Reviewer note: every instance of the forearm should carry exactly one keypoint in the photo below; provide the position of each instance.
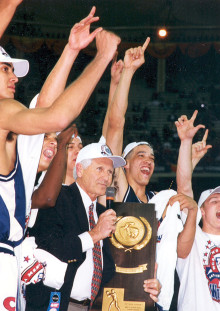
(77, 94)
(7, 11)
(56, 81)
(64, 110)
(186, 237)
(195, 161)
(112, 89)
(117, 112)
(46, 195)
(119, 104)
(184, 168)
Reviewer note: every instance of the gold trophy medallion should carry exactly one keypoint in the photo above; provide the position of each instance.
(131, 233)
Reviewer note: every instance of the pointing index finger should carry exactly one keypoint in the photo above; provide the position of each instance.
(205, 135)
(90, 16)
(145, 45)
(194, 115)
(92, 12)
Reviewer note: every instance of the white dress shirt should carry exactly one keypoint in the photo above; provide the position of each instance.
(82, 282)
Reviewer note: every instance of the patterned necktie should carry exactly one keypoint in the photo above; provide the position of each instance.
(97, 260)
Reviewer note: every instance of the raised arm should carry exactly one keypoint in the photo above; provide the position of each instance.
(79, 38)
(116, 70)
(187, 161)
(69, 104)
(186, 131)
(133, 59)
(46, 195)
(7, 10)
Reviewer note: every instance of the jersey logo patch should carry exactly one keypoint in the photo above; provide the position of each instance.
(211, 263)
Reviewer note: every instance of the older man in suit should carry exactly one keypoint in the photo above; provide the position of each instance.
(75, 231)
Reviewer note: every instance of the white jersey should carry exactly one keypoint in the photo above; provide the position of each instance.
(166, 248)
(29, 150)
(12, 206)
(12, 222)
(199, 275)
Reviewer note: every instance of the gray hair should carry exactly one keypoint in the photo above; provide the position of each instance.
(85, 163)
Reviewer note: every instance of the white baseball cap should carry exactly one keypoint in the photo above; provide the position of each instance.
(133, 145)
(205, 194)
(21, 66)
(96, 151)
(76, 136)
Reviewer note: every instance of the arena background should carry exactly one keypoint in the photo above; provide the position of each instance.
(181, 72)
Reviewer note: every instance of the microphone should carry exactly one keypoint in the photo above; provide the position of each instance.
(110, 194)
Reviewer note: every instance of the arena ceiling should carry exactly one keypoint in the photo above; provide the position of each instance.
(126, 13)
(185, 17)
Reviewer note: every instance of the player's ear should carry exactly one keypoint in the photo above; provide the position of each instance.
(202, 210)
(127, 164)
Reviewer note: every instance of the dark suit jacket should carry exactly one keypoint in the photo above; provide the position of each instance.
(56, 230)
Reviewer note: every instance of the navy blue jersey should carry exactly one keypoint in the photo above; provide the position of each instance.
(130, 195)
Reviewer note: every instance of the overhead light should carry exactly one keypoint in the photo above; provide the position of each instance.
(162, 32)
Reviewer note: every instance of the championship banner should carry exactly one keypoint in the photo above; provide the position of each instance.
(133, 248)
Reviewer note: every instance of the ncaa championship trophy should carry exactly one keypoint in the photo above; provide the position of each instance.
(133, 249)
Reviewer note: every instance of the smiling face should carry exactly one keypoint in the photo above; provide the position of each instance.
(7, 80)
(48, 152)
(211, 214)
(140, 165)
(96, 177)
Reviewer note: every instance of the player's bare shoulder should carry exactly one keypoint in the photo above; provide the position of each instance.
(8, 110)
(8, 104)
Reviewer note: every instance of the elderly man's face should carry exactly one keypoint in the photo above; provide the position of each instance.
(96, 178)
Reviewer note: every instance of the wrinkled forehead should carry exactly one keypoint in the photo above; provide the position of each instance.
(106, 162)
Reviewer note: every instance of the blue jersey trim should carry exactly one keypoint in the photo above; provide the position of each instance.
(10, 176)
(20, 204)
(130, 195)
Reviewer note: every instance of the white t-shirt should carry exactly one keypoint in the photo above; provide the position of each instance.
(199, 275)
(166, 248)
